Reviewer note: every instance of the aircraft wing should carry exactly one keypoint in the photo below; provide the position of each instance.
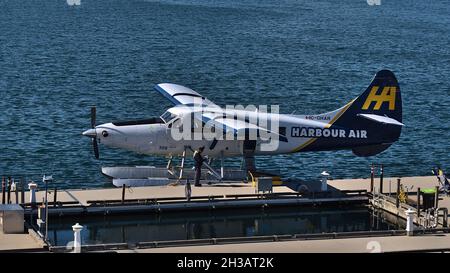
(237, 127)
(181, 95)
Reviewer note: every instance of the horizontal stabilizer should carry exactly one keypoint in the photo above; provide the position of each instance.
(381, 119)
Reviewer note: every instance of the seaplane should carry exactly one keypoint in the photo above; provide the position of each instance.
(367, 126)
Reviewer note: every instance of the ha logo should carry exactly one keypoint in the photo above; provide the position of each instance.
(387, 95)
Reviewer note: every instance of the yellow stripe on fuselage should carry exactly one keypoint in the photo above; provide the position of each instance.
(338, 115)
(328, 125)
(309, 141)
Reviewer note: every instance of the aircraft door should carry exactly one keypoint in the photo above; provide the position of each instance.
(249, 146)
(249, 155)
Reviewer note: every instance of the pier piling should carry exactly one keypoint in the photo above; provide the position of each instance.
(8, 190)
(22, 189)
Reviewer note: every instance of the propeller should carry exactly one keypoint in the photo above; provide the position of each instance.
(92, 133)
(95, 146)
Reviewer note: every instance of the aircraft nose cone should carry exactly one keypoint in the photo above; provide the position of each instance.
(90, 133)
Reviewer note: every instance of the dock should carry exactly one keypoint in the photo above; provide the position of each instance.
(172, 198)
(158, 199)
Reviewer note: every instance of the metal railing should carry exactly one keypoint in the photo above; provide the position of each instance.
(209, 198)
(231, 240)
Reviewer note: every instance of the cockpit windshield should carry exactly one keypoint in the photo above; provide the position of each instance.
(167, 117)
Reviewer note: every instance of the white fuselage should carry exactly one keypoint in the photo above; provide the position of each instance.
(157, 138)
(367, 125)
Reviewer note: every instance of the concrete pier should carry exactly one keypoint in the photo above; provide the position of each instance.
(20, 243)
(426, 243)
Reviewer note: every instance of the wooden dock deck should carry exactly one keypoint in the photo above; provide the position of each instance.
(82, 196)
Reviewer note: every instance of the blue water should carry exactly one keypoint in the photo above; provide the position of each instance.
(307, 56)
(218, 224)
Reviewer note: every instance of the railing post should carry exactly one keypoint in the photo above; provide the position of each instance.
(3, 190)
(22, 189)
(188, 190)
(436, 198)
(123, 193)
(32, 186)
(183, 159)
(418, 202)
(222, 169)
(371, 177)
(397, 201)
(16, 192)
(8, 190)
(324, 185)
(381, 179)
(444, 221)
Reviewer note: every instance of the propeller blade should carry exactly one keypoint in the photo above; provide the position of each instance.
(95, 146)
(93, 116)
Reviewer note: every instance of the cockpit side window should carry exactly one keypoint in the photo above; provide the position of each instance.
(172, 122)
(167, 117)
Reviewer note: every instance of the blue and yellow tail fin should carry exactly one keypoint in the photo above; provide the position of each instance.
(382, 97)
(375, 116)
(378, 110)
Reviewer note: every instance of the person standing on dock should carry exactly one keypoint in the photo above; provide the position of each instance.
(198, 159)
(443, 179)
